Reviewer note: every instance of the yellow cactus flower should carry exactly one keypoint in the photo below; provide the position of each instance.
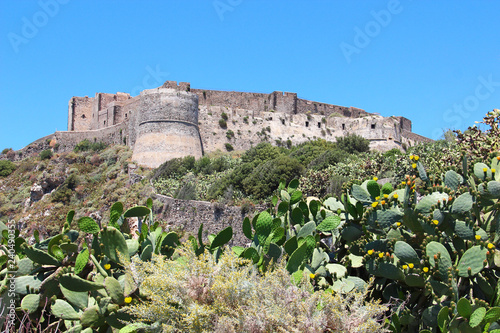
(395, 196)
(491, 246)
(416, 157)
(107, 266)
(380, 255)
(377, 198)
(411, 157)
(493, 170)
(375, 178)
(370, 252)
(436, 222)
(386, 196)
(425, 269)
(477, 237)
(312, 276)
(398, 223)
(485, 169)
(128, 299)
(405, 266)
(374, 204)
(414, 165)
(410, 265)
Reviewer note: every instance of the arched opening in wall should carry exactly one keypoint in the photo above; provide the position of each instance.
(307, 124)
(105, 123)
(373, 126)
(319, 125)
(283, 121)
(83, 116)
(125, 115)
(343, 126)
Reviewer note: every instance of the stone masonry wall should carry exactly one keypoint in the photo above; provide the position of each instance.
(188, 215)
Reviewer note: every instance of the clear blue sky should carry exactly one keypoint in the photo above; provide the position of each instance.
(434, 62)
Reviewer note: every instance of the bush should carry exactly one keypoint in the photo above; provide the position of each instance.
(6, 168)
(202, 294)
(327, 158)
(46, 154)
(229, 147)
(175, 167)
(86, 145)
(222, 123)
(261, 153)
(264, 179)
(353, 144)
(229, 134)
(186, 192)
(6, 150)
(224, 116)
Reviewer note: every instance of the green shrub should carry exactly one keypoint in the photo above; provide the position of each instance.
(229, 134)
(6, 150)
(6, 168)
(262, 152)
(353, 143)
(265, 178)
(229, 147)
(186, 192)
(222, 123)
(175, 167)
(86, 145)
(224, 116)
(327, 158)
(46, 154)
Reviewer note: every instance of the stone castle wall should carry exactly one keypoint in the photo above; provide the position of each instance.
(167, 127)
(175, 120)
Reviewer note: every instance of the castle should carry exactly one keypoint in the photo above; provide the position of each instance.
(175, 121)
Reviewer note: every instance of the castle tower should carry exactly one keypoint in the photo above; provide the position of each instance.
(167, 126)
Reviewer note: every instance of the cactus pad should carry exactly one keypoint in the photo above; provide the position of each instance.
(30, 303)
(88, 225)
(263, 226)
(40, 257)
(453, 180)
(76, 283)
(373, 188)
(360, 194)
(329, 223)
(479, 171)
(405, 252)
(462, 204)
(114, 290)
(115, 246)
(80, 299)
(443, 261)
(472, 258)
(81, 261)
(64, 310)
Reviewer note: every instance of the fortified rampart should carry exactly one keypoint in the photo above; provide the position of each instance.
(175, 120)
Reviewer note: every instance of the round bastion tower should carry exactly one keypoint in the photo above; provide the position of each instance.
(168, 126)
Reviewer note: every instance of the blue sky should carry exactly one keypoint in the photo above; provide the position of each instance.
(434, 62)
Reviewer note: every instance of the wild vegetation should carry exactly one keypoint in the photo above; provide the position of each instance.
(415, 254)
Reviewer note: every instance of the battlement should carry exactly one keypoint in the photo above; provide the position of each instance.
(182, 86)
